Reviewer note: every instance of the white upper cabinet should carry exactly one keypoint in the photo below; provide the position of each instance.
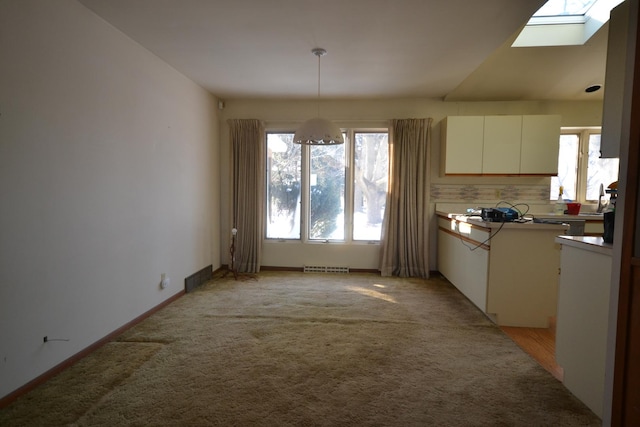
(462, 151)
(614, 84)
(501, 151)
(500, 145)
(540, 144)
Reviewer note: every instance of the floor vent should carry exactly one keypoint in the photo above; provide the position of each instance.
(324, 269)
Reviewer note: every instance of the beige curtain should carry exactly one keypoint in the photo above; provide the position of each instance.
(248, 176)
(405, 233)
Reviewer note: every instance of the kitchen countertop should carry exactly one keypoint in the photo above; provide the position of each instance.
(582, 216)
(588, 243)
(528, 225)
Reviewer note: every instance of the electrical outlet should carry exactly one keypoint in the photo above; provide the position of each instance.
(498, 193)
(164, 281)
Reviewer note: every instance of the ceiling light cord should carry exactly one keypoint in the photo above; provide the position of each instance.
(318, 99)
(318, 131)
(319, 52)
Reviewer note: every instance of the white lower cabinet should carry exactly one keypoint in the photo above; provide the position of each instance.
(583, 316)
(512, 276)
(467, 269)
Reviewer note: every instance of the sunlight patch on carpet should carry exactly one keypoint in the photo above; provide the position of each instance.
(372, 293)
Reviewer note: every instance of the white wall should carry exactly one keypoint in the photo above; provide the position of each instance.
(286, 115)
(108, 178)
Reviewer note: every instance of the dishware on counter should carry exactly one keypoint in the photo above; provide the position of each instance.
(560, 205)
(573, 208)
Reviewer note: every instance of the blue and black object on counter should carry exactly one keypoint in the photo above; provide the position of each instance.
(499, 214)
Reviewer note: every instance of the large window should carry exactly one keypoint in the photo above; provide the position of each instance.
(580, 168)
(327, 193)
(284, 186)
(370, 180)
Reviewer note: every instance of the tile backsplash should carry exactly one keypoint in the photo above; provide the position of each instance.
(473, 193)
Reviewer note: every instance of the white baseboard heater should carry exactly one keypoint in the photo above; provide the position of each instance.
(325, 269)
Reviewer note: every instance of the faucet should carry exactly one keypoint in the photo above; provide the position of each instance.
(600, 205)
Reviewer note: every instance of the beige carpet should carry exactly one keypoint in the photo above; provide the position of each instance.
(294, 349)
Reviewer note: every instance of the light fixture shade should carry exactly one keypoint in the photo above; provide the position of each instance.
(318, 131)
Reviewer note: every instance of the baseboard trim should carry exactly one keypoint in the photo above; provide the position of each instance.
(6, 400)
(364, 270)
(276, 268)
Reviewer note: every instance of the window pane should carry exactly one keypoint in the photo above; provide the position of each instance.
(599, 171)
(326, 192)
(370, 184)
(564, 7)
(567, 167)
(283, 187)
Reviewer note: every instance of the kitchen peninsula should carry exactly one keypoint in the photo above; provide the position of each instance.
(508, 270)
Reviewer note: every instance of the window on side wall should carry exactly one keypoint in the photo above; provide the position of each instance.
(327, 193)
(580, 168)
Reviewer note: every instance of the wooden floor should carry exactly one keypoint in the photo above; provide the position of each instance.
(539, 343)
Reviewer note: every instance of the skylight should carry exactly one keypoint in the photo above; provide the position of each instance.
(565, 22)
(565, 8)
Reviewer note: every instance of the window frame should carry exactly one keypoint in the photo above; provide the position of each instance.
(305, 210)
(584, 134)
(349, 188)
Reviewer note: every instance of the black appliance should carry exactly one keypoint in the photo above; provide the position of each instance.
(609, 222)
(499, 214)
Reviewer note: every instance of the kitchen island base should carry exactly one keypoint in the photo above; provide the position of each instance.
(508, 270)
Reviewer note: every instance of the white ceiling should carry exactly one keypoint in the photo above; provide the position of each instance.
(451, 49)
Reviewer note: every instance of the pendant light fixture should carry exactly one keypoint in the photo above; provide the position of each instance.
(318, 131)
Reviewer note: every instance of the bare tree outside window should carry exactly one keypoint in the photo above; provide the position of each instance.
(371, 180)
(326, 192)
(283, 187)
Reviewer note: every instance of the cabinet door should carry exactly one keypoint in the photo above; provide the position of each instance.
(582, 322)
(467, 270)
(462, 137)
(501, 150)
(540, 145)
(614, 83)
